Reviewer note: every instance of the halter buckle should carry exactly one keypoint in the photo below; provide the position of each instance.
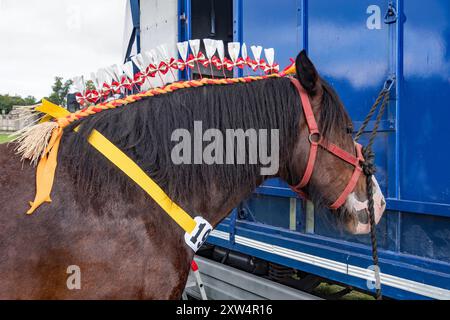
(315, 138)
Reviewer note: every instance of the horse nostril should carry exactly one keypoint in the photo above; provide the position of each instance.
(383, 203)
(362, 215)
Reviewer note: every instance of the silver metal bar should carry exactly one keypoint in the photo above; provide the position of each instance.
(223, 282)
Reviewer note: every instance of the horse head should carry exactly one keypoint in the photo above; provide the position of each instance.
(334, 181)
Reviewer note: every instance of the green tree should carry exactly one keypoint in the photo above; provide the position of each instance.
(7, 102)
(90, 85)
(60, 89)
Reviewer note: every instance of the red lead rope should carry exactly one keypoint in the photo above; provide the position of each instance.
(316, 140)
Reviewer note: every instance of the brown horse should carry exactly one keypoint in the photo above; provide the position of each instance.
(124, 244)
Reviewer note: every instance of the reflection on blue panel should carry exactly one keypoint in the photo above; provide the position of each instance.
(425, 111)
(327, 224)
(352, 57)
(351, 51)
(267, 210)
(272, 28)
(426, 236)
(381, 163)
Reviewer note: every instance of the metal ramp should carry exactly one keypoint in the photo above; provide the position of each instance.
(222, 282)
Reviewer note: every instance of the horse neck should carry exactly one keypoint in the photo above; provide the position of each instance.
(215, 206)
(217, 202)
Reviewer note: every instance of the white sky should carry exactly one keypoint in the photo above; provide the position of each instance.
(40, 39)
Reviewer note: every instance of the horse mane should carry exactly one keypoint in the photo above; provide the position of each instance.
(143, 131)
(334, 119)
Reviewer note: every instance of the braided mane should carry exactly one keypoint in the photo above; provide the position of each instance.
(85, 112)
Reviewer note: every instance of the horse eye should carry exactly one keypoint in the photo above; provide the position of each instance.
(349, 129)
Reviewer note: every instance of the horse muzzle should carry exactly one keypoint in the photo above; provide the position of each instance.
(360, 210)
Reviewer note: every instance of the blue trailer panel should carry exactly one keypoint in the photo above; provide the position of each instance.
(357, 45)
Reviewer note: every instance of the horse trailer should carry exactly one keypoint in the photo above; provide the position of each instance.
(357, 46)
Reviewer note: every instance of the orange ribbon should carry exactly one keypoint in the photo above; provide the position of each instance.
(45, 171)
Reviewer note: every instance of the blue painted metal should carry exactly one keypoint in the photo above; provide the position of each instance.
(278, 30)
(237, 28)
(411, 149)
(400, 78)
(136, 33)
(184, 28)
(302, 28)
(233, 218)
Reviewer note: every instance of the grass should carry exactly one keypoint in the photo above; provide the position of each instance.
(326, 289)
(4, 137)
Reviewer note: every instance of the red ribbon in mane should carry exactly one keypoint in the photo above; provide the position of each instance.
(190, 62)
(115, 87)
(219, 64)
(252, 63)
(126, 83)
(106, 90)
(173, 64)
(181, 64)
(139, 79)
(275, 67)
(81, 99)
(150, 71)
(92, 96)
(163, 67)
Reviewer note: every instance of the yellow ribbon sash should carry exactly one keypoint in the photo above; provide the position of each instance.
(45, 171)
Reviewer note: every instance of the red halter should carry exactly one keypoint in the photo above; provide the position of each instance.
(316, 140)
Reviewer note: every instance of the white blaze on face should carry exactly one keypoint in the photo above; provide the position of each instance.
(355, 206)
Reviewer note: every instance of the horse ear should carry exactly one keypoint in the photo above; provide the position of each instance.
(307, 73)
